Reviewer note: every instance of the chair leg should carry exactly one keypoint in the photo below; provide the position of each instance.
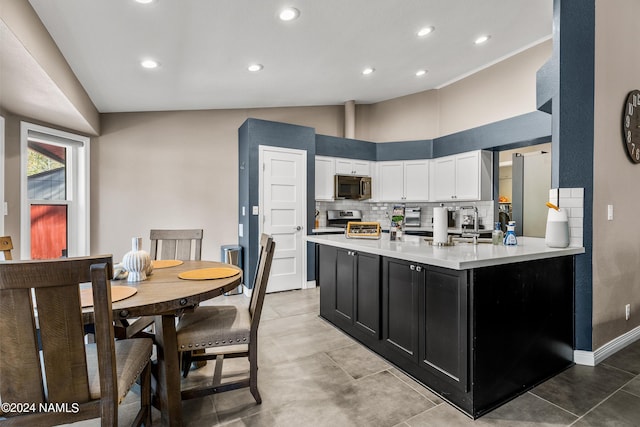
(185, 358)
(253, 372)
(145, 394)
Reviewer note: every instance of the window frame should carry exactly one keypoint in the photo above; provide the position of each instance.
(78, 187)
(2, 173)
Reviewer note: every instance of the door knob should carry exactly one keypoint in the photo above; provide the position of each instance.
(298, 228)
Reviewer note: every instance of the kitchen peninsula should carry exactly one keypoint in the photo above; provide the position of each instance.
(477, 324)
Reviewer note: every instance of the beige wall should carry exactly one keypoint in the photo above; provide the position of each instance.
(176, 170)
(30, 61)
(504, 90)
(408, 118)
(616, 244)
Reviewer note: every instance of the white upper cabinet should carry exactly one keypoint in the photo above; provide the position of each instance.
(416, 180)
(389, 181)
(465, 176)
(403, 181)
(325, 171)
(353, 167)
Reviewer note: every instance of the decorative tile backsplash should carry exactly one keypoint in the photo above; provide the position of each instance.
(381, 211)
(572, 200)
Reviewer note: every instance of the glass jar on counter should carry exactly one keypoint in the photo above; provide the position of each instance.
(497, 237)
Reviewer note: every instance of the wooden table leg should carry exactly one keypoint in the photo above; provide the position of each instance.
(168, 371)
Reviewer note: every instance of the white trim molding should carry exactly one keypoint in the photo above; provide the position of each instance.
(78, 182)
(592, 358)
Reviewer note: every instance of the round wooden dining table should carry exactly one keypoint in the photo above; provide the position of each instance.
(166, 296)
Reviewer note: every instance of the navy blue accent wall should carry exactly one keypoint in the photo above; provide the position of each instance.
(342, 147)
(519, 131)
(246, 221)
(573, 137)
(251, 135)
(405, 150)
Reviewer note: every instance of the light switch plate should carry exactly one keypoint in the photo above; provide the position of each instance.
(610, 212)
(255, 210)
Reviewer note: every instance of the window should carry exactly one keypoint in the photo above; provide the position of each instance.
(54, 193)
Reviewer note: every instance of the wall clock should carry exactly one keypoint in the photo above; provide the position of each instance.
(631, 125)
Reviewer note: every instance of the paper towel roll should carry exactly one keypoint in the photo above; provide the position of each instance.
(440, 225)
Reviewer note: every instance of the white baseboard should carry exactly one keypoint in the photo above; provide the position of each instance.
(592, 358)
(310, 284)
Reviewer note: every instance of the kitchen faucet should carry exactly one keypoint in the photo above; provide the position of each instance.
(476, 228)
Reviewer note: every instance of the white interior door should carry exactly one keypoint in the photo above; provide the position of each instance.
(283, 195)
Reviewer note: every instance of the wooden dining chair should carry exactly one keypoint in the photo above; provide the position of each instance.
(176, 244)
(6, 246)
(227, 331)
(54, 375)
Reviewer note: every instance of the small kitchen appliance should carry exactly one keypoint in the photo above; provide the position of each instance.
(352, 187)
(340, 218)
(412, 217)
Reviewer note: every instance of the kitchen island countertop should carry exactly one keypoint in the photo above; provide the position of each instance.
(461, 256)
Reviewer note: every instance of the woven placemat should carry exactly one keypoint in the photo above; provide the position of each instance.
(209, 273)
(166, 263)
(118, 293)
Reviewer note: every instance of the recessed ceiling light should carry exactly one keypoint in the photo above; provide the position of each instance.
(420, 73)
(255, 67)
(289, 14)
(424, 31)
(144, 1)
(149, 63)
(482, 39)
(368, 71)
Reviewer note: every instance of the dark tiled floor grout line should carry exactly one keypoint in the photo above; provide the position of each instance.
(531, 392)
(414, 388)
(618, 369)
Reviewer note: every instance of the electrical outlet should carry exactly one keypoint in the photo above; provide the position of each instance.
(627, 311)
(610, 212)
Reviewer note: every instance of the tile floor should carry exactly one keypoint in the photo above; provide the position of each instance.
(311, 374)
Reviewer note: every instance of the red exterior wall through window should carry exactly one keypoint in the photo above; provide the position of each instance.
(48, 231)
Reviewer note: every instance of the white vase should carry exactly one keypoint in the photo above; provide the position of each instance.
(137, 262)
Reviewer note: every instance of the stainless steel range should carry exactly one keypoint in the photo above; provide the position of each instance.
(336, 218)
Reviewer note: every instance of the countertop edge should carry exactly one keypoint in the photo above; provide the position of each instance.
(415, 250)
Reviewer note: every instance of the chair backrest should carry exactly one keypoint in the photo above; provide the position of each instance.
(55, 285)
(265, 257)
(176, 244)
(5, 247)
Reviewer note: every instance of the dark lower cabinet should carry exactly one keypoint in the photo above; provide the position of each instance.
(477, 337)
(401, 286)
(344, 293)
(444, 326)
(350, 290)
(367, 294)
(424, 318)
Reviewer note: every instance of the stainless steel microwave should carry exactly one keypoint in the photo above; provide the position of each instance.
(352, 187)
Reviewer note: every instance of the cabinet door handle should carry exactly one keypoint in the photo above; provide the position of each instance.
(412, 267)
(418, 268)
